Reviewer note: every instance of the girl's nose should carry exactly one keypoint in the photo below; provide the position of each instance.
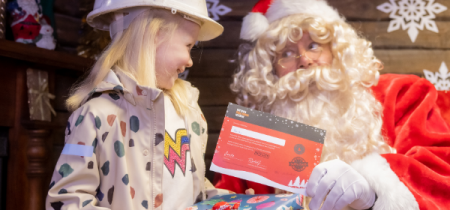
(190, 63)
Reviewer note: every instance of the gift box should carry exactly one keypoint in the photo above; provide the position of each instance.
(251, 202)
(38, 95)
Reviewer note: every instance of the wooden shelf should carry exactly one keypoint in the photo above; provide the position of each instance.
(34, 54)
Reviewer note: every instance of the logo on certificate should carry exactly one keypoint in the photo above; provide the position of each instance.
(298, 164)
(299, 149)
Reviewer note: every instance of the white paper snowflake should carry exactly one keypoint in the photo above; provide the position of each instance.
(412, 15)
(215, 10)
(439, 79)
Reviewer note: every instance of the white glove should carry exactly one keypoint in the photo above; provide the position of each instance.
(344, 186)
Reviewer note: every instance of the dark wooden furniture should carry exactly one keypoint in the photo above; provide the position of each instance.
(31, 143)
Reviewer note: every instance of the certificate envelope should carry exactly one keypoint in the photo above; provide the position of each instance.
(267, 149)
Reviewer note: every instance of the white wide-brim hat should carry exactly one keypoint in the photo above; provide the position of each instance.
(102, 15)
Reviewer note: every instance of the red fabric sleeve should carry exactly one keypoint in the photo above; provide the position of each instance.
(412, 124)
(443, 103)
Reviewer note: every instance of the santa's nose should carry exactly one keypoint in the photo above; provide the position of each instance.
(304, 62)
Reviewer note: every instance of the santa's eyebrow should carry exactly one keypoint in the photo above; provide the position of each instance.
(289, 47)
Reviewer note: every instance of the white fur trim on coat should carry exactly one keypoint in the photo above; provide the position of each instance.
(253, 25)
(391, 192)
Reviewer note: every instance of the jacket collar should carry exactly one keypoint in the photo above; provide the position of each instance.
(123, 84)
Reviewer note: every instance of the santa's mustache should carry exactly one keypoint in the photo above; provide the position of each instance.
(296, 84)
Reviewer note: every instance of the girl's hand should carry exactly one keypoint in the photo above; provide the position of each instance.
(339, 185)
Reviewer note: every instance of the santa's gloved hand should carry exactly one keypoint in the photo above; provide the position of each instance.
(341, 185)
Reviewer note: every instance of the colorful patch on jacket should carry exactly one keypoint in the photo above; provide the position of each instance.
(175, 151)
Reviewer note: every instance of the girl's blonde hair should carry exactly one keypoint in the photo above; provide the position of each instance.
(134, 53)
(334, 97)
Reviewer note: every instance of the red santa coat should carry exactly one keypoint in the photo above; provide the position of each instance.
(418, 175)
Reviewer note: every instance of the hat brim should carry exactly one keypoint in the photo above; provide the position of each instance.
(100, 19)
(210, 29)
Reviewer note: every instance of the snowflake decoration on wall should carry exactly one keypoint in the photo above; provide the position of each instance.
(412, 15)
(215, 10)
(439, 79)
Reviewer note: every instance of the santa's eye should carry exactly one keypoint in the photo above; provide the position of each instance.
(314, 46)
(288, 53)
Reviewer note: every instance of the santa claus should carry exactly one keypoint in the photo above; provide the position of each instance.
(386, 147)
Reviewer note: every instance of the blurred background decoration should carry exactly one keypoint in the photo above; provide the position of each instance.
(2, 18)
(38, 95)
(30, 24)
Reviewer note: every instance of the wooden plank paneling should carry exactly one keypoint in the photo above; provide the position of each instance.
(60, 120)
(212, 63)
(229, 37)
(351, 9)
(67, 29)
(8, 97)
(214, 116)
(211, 145)
(412, 61)
(239, 8)
(209, 174)
(374, 31)
(213, 91)
(68, 7)
(64, 83)
(67, 49)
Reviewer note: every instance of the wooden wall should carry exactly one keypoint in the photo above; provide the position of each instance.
(68, 23)
(212, 70)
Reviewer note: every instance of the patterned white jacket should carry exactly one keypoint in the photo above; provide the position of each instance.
(114, 150)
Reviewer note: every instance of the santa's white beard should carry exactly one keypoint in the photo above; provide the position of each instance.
(350, 114)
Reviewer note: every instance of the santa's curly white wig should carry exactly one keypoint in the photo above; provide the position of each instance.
(336, 98)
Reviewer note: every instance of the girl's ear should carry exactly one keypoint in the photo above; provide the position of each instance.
(161, 36)
(158, 39)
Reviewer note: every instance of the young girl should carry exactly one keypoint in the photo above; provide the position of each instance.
(136, 138)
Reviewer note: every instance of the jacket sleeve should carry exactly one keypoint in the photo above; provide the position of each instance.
(209, 189)
(418, 175)
(76, 176)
